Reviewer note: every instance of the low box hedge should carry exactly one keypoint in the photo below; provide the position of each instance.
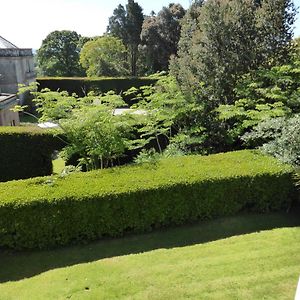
(26, 152)
(43, 212)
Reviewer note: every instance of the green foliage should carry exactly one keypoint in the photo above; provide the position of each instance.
(104, 56)
(87, 206)
(59, 54)
(228, 39)
(264, 94)
(26, 152)
(275, 30)
(150, 157)
(96, 135)
(219, 47)
(168, 112)
(278, 84)
(53, 106)
(126, 24)
(264, 132)
(88, 124)
(118, 23)
(243, 116)
(279, 137)
(159, 37)
(83, 86)
(221, 41)
(183, 66)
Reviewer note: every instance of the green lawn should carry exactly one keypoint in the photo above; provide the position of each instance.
(58, 165)
(178, 263)
(24, 118)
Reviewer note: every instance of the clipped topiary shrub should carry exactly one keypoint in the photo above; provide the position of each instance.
(26, 152)
(111, 202)
(84, 85)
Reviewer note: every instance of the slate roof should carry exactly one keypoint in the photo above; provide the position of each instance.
(7, 100)
(5, 44)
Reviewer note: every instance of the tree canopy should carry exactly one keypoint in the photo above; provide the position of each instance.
(59, 54)
(160, 35)
(229, 38)
(104, 56)
(126, 24)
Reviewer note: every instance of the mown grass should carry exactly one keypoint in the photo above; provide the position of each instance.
(186, 265)
(58, 165)
(24, 118)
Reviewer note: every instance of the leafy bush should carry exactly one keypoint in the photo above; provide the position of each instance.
(104, 56)
(262, 95)
(100, 136)
(148, 156)
(170, 119)
(97, 136)
(279, 137)
(26, 152)
(111, 202)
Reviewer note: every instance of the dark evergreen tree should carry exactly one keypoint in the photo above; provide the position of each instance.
(160, 36)
(220, 42)
(274, 22)
(227, 38)
(184, 67)
(126, 24)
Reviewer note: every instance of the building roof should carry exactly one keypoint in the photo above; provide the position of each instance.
(5, 44)
(7, 100)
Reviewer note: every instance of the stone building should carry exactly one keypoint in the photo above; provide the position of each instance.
(7, 116)
(16, 67)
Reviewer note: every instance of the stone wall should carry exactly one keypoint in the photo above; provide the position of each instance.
(7, 116)
(15, 69)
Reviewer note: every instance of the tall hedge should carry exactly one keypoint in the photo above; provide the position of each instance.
(43, 212)
(82, 86)
(26, 152)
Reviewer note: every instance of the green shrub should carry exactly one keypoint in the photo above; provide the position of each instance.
(26, 152)
(279, 137)
(82, 86)
(111, 202)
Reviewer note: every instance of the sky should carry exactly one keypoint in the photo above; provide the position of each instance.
(27, 23)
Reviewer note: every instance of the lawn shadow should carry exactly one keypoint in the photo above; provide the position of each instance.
(15, 266)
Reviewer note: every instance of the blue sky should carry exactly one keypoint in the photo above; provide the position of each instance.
(27, 23)
(297, 24)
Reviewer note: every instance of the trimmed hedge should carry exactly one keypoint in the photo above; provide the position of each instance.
(41, 212)
(26, 152)
(83, 85)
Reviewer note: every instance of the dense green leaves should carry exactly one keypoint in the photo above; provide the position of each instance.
(262, 95)
(159, 37)
(59, 54)
(279, 137)
(92, 130)
(82, 86)
(26, 152)
(126, 24)
(87, 206)
(104, 56)
(222, 40)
